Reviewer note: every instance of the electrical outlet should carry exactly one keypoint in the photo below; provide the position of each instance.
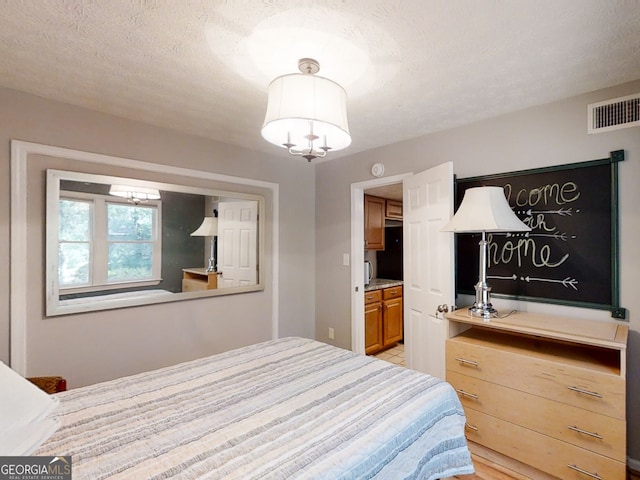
(331, 333)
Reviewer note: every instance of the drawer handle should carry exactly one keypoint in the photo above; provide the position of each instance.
(471, 363)
(585, 392)
(584, 472)
(470, 427)
(467, 394)
(585, 432)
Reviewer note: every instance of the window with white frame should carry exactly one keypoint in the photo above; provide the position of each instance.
(105, 242)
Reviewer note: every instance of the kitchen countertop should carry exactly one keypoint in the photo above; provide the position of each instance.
(380, 283)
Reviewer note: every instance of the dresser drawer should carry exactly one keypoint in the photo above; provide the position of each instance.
(550, 455)
(191, 285)
(592, 431)
(392, 292)
(372, 296)
(555, 371)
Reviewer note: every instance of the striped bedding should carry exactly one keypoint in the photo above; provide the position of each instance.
(283, 409)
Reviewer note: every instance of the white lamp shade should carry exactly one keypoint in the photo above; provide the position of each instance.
(297, 99)
(208, 228)
(485, 209)
(134, 193)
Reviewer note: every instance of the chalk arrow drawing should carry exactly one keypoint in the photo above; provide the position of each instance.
(567, 282)
(557, 236)
(563, 212)
(512, 277)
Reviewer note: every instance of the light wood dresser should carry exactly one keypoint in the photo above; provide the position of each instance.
(546, 391)
(195, 279)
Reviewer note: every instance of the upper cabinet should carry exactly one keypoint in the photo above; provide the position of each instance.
(393, 209)
(374, 211)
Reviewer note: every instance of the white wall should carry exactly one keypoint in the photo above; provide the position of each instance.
(537, 137)
(86, 348)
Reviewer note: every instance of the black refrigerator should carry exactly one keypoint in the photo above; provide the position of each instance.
(389, 260)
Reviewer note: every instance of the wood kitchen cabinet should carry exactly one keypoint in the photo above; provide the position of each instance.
(374, 212)
(393, 209)
(372, 321)
(382, 318)
(391, 316)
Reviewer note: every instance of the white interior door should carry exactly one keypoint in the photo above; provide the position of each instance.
(237, 243)
(428, 266)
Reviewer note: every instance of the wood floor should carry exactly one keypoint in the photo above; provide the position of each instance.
(488, 470)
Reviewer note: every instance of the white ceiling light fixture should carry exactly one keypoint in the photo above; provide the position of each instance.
(307, 114)
(135, 195)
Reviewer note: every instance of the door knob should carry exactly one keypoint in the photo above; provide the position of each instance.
(444, 308)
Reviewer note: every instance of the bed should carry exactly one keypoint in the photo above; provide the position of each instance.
(283, 409)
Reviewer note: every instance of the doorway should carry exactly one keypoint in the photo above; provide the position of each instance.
(427, 267)
(387, 263)
(384, 322)
(378, 187)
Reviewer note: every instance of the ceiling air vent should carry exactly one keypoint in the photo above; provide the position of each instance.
(623, 112)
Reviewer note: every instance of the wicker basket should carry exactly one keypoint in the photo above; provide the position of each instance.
(49, 384)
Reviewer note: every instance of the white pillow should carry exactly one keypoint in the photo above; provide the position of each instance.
(24, 409)
(25, 439)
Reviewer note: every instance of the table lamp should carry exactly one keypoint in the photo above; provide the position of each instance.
(209, 228)
(484, 210)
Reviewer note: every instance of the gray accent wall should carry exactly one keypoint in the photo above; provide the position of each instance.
(182, 213)
(542, 136)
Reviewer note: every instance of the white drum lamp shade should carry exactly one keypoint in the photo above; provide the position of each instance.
(306, 114)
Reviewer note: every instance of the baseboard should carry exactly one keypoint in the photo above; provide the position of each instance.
(634, 465)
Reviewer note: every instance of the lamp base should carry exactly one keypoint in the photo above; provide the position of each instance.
(213, 258)
(212, 267)
(483, 311)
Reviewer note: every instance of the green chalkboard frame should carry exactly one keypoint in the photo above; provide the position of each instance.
(466, 254)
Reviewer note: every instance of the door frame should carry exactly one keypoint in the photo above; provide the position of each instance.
(357, 255)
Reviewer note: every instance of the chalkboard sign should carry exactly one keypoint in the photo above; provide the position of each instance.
(570, 256)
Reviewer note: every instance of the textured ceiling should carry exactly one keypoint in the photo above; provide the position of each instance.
(410, 67)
